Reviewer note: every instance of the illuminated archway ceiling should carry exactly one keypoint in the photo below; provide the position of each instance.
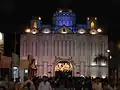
(63, 67)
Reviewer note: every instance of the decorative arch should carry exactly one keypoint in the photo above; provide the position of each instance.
(59, 59)
(66, 61)
(64, 29)
(63, 66)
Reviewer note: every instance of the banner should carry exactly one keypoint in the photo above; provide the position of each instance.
(15, 59)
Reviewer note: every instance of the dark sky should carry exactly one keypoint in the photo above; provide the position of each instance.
(16, 14)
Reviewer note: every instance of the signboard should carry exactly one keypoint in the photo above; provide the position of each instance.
(15, 59)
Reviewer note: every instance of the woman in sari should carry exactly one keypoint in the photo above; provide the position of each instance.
(32, 69)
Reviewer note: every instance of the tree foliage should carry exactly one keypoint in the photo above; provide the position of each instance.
(101, 58)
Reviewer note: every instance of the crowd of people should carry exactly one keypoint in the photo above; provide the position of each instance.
(62, 83)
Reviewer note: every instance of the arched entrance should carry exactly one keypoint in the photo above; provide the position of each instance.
(63, 69)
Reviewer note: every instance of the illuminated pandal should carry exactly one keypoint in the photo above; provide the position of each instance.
(63, 67)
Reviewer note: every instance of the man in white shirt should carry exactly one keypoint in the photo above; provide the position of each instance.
(44, 85)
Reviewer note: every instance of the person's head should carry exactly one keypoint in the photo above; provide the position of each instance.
(28, 84)
(105, 83)
(44, 78)
(33, 61)
(97, 79)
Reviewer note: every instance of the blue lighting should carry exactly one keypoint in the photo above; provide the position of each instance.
(64, 18)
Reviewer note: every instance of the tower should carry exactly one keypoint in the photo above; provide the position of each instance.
(36, 23)
(91, 22)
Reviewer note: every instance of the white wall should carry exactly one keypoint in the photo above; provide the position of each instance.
(82, 48)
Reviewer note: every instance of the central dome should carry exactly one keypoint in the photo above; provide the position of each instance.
(64, 17)
(64, 10)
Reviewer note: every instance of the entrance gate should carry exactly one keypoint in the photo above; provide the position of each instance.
(63, 69)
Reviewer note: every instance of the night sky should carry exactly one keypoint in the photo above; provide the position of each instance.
(16, 14)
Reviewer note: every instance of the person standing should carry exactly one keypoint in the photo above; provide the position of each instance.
(44, 85)
(32, 69)
(27, 84)
(107, 86)
(97, 85)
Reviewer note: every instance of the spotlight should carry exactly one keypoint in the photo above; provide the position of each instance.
(27, 30)
(99, 30)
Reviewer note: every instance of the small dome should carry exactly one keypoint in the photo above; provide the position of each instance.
(46, 30)
(93, 31)
(81, 31)
(34, 31)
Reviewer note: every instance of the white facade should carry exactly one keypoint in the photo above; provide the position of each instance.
(80, 50)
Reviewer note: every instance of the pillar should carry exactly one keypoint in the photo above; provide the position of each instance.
(82, 68)
(77, 70)
(45, 68)
(49, 70)
(40, 70)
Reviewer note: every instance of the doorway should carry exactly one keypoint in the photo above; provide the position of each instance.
(63, 69)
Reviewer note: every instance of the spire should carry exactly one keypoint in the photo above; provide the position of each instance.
(36, 22)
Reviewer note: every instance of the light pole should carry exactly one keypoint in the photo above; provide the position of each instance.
(1, 38)
(15, 59)
(15, 43)
(0, 66)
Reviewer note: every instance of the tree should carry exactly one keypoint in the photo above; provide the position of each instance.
(100, 58)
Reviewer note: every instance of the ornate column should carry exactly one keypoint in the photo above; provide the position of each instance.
(52, 70)
(82, 67)
(40, 70)
(49, 70)
(86, 70)
(63, 48)
(68, 48)
(77, 70)
(45, 68)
